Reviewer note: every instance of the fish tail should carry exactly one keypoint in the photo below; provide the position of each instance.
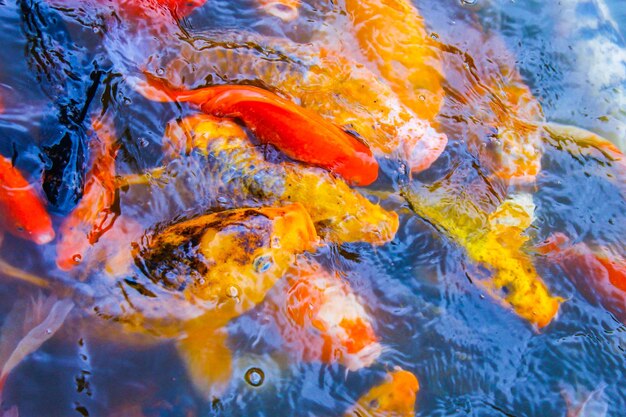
(208, 360)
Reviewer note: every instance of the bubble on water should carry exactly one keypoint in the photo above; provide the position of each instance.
(160, 71)
(469, 2)
(262, 263)
(143, 142)
(255, 377)
(77, 258)
(422, 97)
(232, 291)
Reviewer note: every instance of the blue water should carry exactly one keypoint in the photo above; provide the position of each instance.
(472, 356)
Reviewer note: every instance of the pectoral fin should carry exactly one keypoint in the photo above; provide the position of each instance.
(208, 360)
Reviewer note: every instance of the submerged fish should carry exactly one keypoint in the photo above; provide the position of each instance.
(598, 273)
(394, 397)
(299, 133)
(392, 36)
(22, 210)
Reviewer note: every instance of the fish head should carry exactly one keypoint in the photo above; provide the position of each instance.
(227, 261)
(395, 396)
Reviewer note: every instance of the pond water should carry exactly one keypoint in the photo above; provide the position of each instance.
(455, 260)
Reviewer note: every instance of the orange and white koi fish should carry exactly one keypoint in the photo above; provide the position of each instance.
(598, 274)
(22, 210)
(286, 10)
(394, 397)
(321, 319)
(96, 213)
(299, 133)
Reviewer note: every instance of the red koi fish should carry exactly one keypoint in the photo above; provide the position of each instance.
(22, 211)
(95, 214)
(598, 275)
(299, 133)
(322, 319)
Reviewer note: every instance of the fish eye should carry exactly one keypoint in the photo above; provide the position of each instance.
(20, 228)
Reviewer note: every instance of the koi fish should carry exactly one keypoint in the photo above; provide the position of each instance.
(320, 80)
(97, 211)
(321, 319)
(285, 10)
(596, 272)
(299, 133)
(493, 239)
(392, 35)
(394, 397)
(217, 265)
(340, 214)
(22, 210)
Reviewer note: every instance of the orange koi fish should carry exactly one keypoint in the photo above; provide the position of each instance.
(22, 210)
(598, 274)
(325, 82)
(299, 133)
(322, 319)
(392, 35)
(394, 397)
(96, 213)
(286, 10)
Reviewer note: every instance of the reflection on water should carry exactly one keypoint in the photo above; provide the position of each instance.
(197, 270)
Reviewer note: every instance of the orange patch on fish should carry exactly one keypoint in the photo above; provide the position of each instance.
(392, 35)
(598, 274)
(22, 210)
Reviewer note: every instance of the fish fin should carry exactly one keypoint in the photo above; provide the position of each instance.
(27, 327)
(208, 360)
(11, 271)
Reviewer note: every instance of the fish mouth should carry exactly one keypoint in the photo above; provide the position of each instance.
(44, 238)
